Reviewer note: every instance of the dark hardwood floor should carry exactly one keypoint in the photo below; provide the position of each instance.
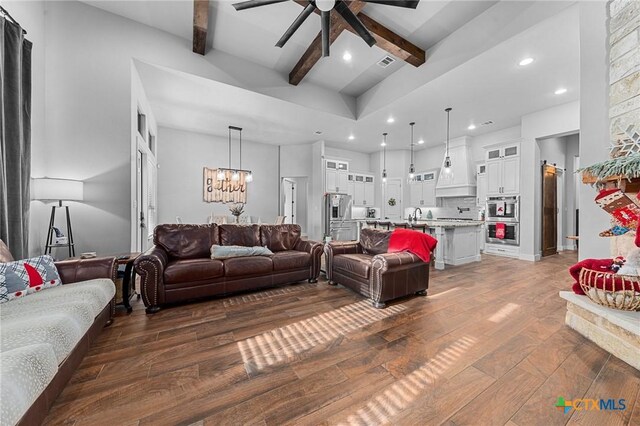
(487, 346)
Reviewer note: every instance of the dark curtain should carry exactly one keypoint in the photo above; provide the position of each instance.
(15, 137)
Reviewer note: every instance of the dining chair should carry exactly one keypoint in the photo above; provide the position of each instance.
(178, 220)
(280, 220)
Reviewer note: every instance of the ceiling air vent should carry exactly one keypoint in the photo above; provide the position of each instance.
(386, 61)
(487, 123)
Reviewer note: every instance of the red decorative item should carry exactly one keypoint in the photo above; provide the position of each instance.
(414, 242)
(638, 230)
(35, 279)
(622, 208)
(500, 230)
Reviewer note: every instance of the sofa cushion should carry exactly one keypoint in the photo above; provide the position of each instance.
(374, 241)
(357, 264)
(27, 276)
(187, 270)
(291, 259)
(280, 237)
(186, 241)
(241, 266)
(25, 374)
(60, 330)
(239, 235)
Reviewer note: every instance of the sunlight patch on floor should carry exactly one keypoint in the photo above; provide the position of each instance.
(285, 344)
(504, 312)
(403, 393)
(263, 295)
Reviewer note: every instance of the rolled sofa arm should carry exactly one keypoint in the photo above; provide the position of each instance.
(386, 261)
(333, 248)
(389, 264)
(75, 270)
(314, 248)
(150, 267)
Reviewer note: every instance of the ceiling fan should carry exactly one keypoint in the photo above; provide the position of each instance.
(325, 7)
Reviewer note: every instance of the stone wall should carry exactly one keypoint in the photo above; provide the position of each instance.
(624, 76)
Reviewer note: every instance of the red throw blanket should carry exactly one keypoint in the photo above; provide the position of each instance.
(414, 242)
(600, 265)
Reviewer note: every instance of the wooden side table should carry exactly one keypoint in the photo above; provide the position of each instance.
(127, 260)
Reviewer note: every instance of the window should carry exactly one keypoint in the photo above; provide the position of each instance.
(142, 123)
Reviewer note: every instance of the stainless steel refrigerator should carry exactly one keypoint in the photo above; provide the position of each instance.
(338, 224)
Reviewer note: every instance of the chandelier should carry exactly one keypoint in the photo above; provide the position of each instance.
(234, 178)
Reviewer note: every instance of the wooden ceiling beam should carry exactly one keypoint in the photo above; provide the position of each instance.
(314, 52)
(200, 25)
(396, 45)
(386, 39)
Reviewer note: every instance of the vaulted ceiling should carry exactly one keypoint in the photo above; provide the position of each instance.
(473, 49)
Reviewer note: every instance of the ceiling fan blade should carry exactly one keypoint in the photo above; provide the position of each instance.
(355, 23)
(255, 3)
(296, 24)
(326, 29)
(410, 4)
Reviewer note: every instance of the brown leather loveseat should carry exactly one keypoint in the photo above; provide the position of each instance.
(365, 267)
(179, 266)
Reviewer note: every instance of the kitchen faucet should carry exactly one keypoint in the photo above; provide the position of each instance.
(415, 214)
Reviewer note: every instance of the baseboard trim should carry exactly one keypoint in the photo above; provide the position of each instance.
(530, 257)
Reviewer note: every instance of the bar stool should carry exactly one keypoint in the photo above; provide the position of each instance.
(403, 225)
(373, 223)
(385, 223)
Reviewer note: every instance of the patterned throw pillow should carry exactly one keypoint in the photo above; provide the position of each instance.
(27, 276)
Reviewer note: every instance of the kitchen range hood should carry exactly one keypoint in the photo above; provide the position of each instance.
(460, 180)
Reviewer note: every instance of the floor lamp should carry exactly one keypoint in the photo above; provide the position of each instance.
(59, 190)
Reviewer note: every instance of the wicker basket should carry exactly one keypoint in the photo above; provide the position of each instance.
(627, 299)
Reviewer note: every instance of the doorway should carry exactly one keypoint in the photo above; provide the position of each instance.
(392, 190)
(290, 205)
(549, 210)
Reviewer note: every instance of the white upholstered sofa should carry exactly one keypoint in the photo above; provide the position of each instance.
(44, 336)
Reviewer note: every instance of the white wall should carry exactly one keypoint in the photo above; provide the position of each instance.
(572, 151)
(594, 117)
(561, 120)
(181, 158)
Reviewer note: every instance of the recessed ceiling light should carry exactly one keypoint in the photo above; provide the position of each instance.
(351, 137)
(560, 91)
(346, 56)
(390, 120)
(526, 61)
(383, 144)
(421, 141)
(471, 126)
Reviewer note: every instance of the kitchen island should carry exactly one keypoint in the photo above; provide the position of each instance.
(459, 240)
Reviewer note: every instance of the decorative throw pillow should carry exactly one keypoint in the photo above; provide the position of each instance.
(226, 252)
(27, 276)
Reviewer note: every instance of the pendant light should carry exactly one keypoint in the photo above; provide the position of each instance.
(412, 169)
(234, 175)
(384, 158)
(447, 160)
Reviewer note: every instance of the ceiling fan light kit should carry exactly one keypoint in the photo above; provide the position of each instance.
(325, 7)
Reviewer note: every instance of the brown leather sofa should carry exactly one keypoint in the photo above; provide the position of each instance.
(368, 269)
(70, 271)
(179, 266)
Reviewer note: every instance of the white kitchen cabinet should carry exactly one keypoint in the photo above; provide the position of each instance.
(422, 191)
(358, 194)
(331, 180)
(481, 181)
(369, 194)
(503, 170)
(343, 182)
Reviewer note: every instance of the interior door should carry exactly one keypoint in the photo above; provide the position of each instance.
(549, 210)
(289, 210)
(393, 189)
(141, 201)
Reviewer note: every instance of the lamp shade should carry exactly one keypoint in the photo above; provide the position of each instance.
(57, 189)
